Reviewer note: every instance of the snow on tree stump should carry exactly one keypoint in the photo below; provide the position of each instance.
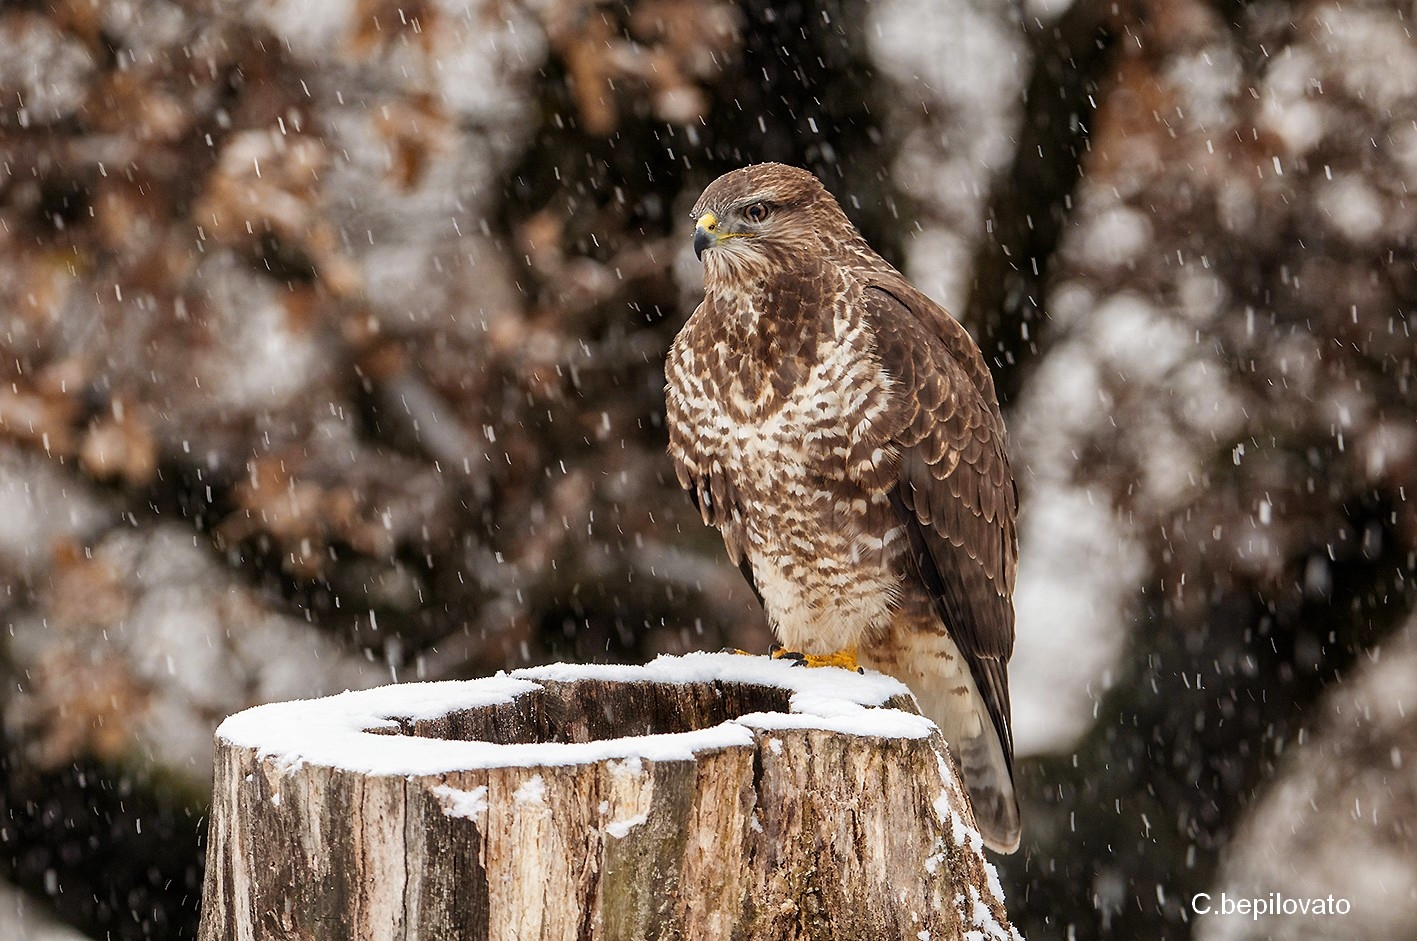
(700, 797)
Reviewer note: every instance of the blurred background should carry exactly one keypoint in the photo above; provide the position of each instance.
(331, 343)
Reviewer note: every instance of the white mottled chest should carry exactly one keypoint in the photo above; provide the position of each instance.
(822, 550)
(763, 436)
(808, 435)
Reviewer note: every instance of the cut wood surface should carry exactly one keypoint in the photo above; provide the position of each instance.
(709, 796)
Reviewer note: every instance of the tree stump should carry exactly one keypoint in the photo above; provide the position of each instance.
(710, 796)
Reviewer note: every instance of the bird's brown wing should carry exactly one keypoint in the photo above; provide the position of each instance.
(745, 564)
(686, 401)
(951, 485)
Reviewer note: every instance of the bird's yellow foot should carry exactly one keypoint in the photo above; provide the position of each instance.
(844, 658)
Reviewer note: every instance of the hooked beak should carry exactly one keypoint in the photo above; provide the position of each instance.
(705, 234)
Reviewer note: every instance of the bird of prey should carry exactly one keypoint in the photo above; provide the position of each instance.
(842, 432)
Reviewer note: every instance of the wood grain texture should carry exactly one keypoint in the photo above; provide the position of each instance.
(806, 833)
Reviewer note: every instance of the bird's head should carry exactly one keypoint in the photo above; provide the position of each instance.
(766, 214)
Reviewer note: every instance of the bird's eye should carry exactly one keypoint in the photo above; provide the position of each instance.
(756, 212)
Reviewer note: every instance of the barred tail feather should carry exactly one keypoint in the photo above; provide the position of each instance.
(983, 766)
(991, 790)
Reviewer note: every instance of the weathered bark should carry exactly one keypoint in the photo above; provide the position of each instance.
(627, 802)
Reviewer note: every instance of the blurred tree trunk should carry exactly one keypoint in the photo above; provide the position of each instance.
(1031, 202)
(1229, 364)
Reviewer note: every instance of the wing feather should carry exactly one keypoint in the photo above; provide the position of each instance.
(953, 491)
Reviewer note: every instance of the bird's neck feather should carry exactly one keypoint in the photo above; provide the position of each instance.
(769, 329)
(769, 302)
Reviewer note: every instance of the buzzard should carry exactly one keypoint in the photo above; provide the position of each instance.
(841, 431)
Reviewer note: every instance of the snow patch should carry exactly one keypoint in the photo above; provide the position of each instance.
(459, 803)
(887, 723)
(870, 689)
(960, 831)
(532, 792)
(359, 731)
(973, 910)
(619, 828)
